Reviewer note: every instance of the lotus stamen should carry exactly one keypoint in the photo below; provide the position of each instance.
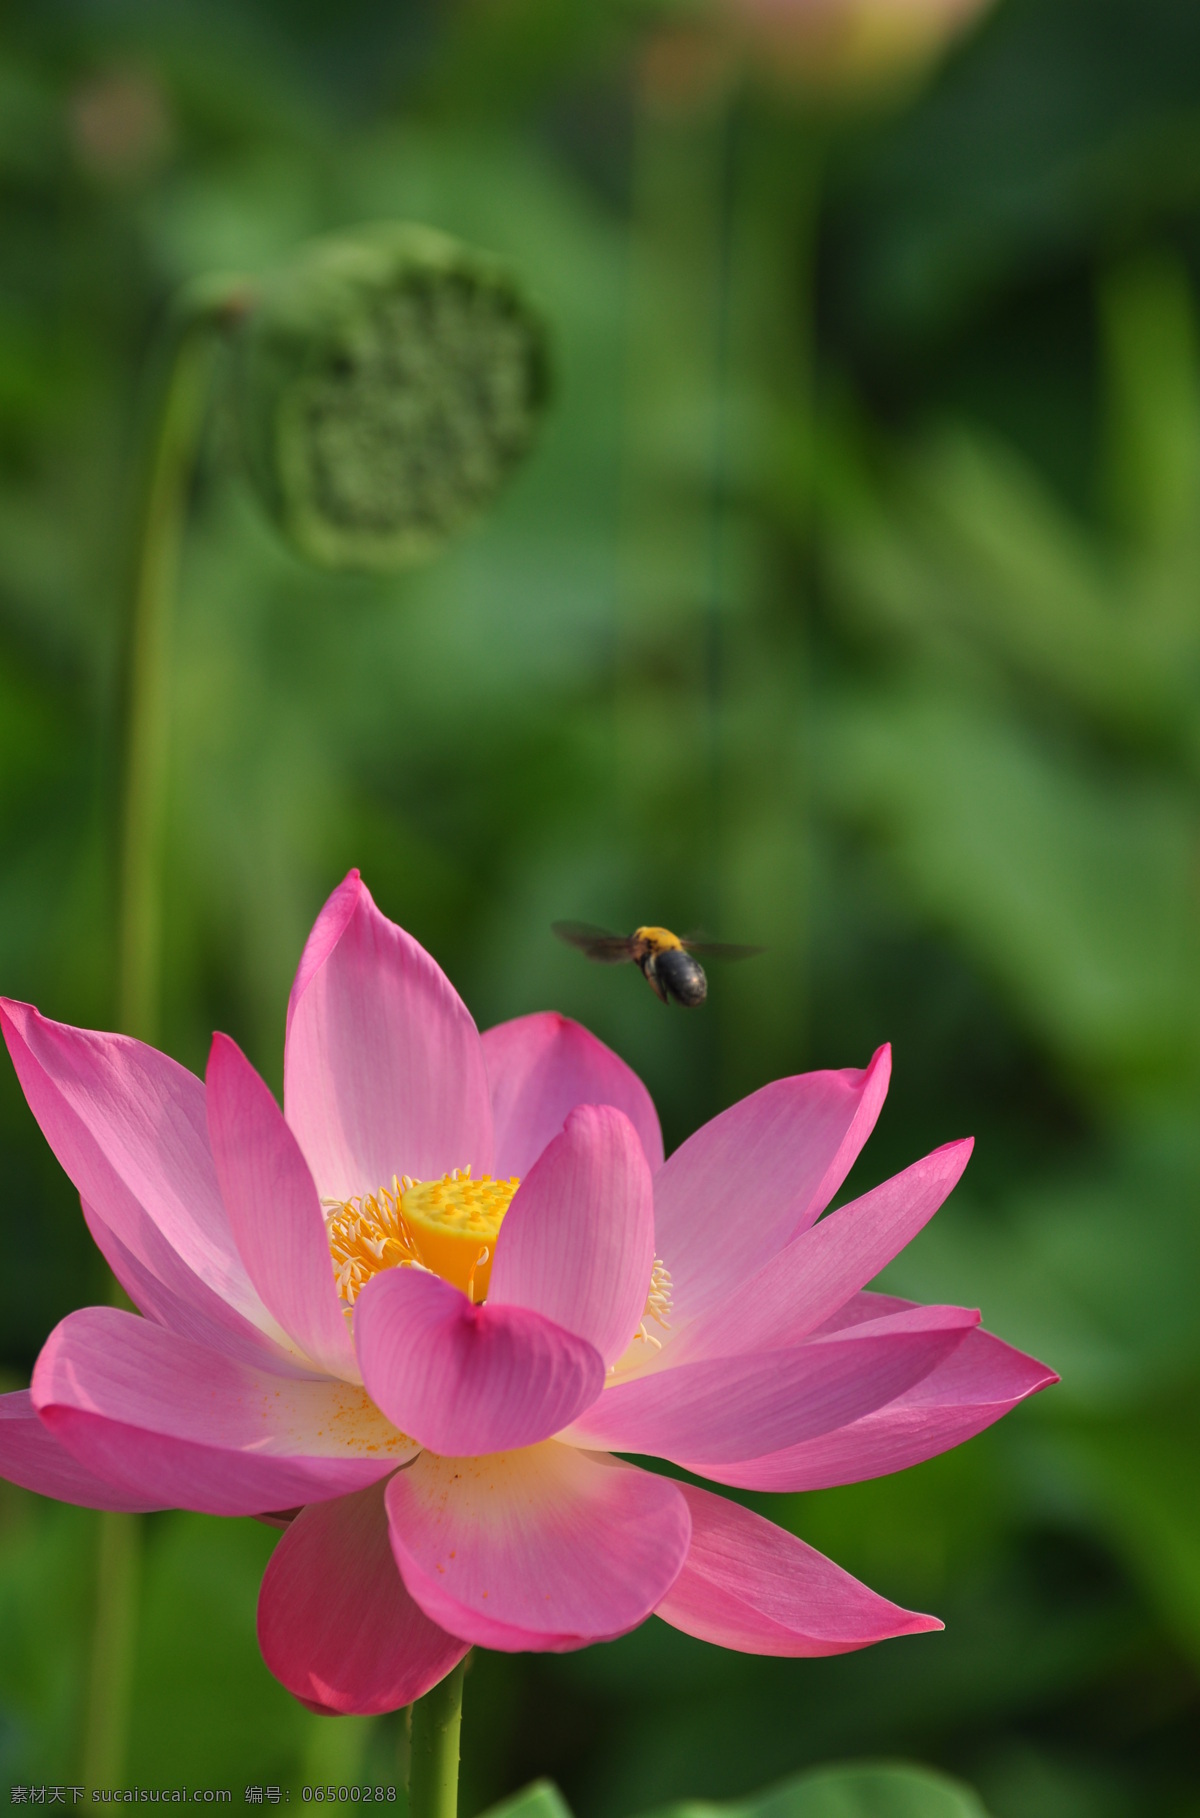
(445, 1226)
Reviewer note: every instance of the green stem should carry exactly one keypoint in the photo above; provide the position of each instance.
(764, 701)
(200, 312)
(110, 1677)
(433, 1771)
(668, 555)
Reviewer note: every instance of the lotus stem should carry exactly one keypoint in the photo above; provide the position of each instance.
(433, 1769)
(110, 1674)
(200, 312)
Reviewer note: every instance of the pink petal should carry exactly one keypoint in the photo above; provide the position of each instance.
(749, 1180)
(128, 1126)
(464, 1379)
(31, 1456)
(747, 1584)
(196, 1313)
(274, 1211)
(869, 1305)
(977, 1384)
(723, 1409)
(543, 1549)
(808, 1280)
(192, 1429)
(335, 1623)
(384, 1070)
(540, 1068)
(577, 1243)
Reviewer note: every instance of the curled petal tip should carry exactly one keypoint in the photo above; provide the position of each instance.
(957, 1152)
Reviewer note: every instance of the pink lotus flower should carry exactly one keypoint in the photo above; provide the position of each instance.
(315, 1338)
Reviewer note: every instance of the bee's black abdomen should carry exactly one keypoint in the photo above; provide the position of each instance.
(681, 976)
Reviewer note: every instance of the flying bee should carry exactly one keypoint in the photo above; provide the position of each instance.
(665, 959)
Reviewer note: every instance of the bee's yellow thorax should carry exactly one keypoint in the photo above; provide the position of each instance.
(658, 939)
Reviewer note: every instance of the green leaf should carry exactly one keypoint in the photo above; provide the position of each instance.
(972, 558)
(849, 1792)
(1141, 1481)
(540, 1799)
(1073, 888)
(1148, 323)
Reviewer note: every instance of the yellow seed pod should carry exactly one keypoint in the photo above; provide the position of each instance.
(389, 381)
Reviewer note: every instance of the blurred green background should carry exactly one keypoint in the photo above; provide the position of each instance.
(850, 604)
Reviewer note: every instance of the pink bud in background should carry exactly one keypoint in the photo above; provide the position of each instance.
(843, 46)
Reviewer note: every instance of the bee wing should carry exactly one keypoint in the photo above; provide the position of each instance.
(721, 949)
(597, 943)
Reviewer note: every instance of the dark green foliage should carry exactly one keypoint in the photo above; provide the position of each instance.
(849, 1792)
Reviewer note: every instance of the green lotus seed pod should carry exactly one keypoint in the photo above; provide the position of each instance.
(390, 380)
